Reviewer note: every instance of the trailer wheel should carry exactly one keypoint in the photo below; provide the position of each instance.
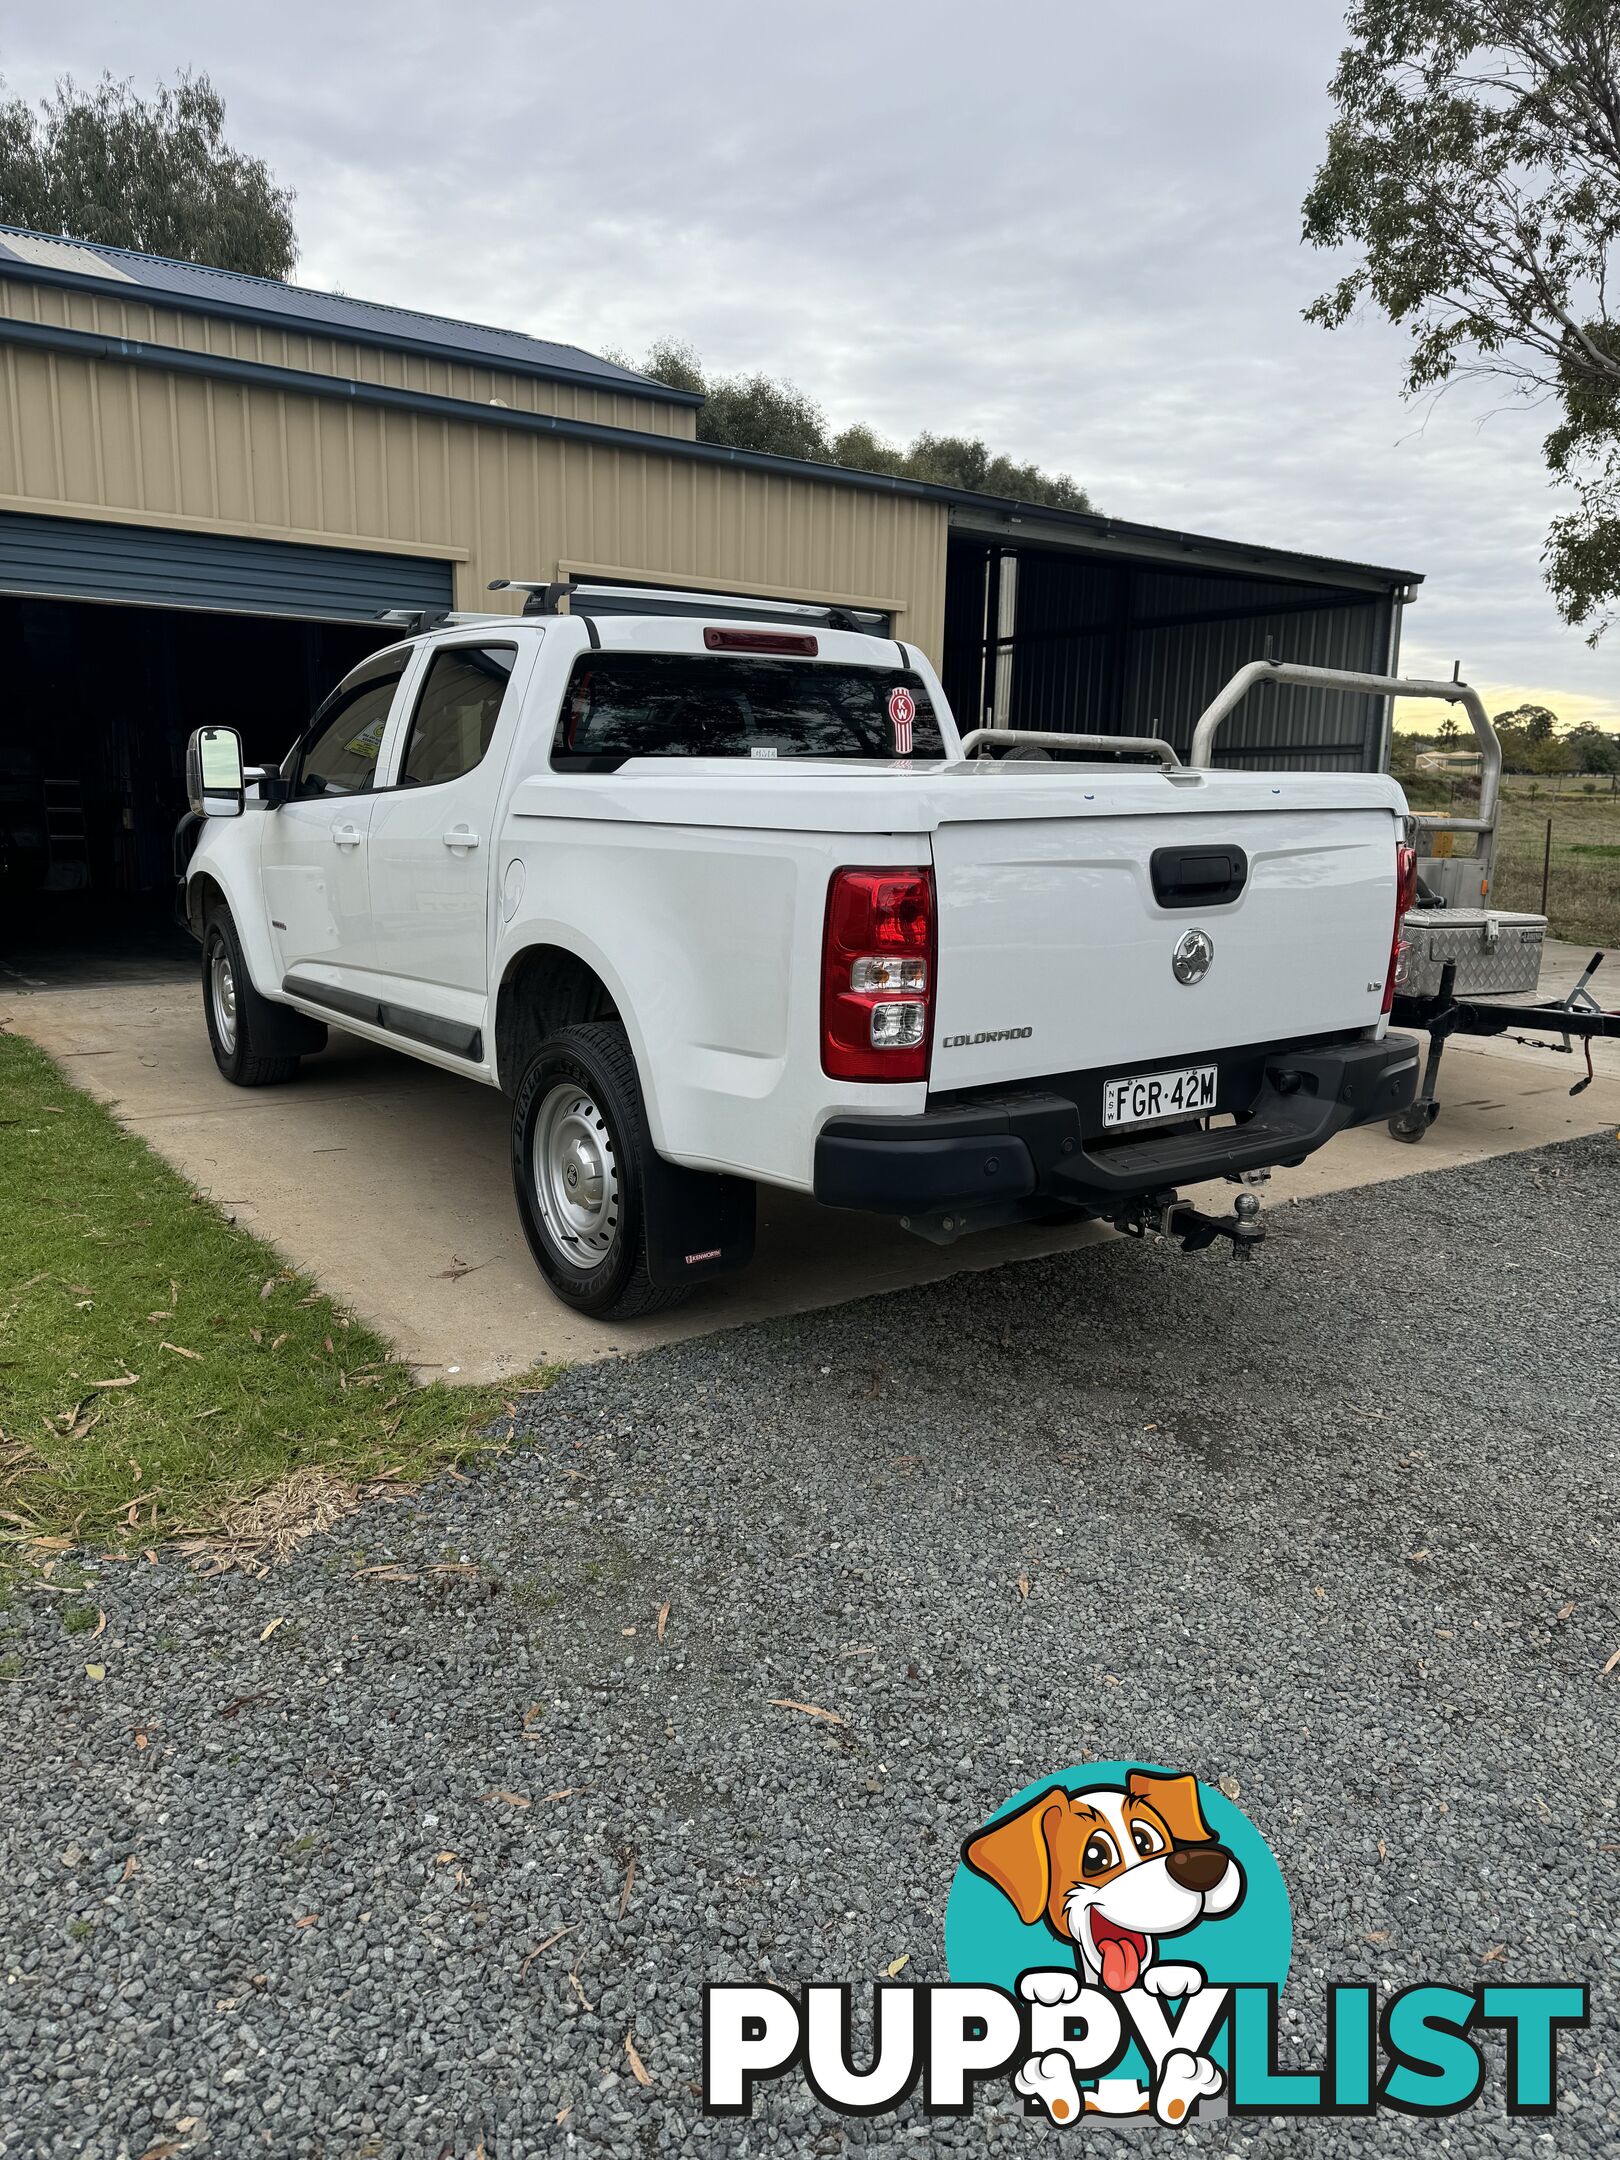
(1410, 1125)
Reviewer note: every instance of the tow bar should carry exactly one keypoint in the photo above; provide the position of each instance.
(1161, 1216)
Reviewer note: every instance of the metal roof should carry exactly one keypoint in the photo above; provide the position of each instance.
(198, 288)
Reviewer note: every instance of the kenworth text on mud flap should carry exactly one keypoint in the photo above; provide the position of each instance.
(715, 891)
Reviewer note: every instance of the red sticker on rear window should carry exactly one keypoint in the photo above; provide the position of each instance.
(902, 711)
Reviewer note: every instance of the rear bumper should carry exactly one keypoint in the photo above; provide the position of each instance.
(995, 1157)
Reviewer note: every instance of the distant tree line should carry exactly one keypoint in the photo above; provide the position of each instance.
(758, 412)
(1533, 741)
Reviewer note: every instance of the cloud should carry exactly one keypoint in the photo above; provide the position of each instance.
(1074, 231)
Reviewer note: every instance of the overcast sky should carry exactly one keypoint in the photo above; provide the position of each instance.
(1065, 225)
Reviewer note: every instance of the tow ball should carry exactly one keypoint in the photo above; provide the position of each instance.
(1162, 1216)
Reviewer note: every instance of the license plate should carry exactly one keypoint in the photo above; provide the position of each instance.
(1142, 1097)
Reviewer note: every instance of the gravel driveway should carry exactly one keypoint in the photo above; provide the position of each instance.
(1340, 1525)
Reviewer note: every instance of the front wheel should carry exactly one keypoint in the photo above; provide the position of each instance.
(580, 1151)
(235, 1012)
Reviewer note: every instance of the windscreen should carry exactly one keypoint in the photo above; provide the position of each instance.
(640, 705)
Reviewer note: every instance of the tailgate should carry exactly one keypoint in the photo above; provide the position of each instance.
(1052, 937)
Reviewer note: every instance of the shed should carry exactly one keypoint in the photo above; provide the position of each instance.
(211, 486)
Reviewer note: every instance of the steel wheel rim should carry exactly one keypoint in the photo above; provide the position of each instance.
(222, 990)
(574, 1174)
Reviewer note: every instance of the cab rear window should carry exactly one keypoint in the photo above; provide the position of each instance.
(644, 705)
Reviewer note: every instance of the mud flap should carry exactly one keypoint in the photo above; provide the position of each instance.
(697, 1224)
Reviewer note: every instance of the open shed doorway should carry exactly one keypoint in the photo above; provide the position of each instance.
(1086, 642)
(100, 700)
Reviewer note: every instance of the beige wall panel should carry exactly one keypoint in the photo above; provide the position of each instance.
(151, 420)
(302, 417)
(233, 477)
(81, 437)
(269, 346)
(73, 417)
(370, 469)
(118, 433)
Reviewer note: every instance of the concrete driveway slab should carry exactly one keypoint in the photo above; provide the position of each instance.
(387, 1180)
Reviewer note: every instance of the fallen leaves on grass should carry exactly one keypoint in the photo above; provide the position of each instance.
(194, 1355)
(807, 1709)
(125, 1380)
(253, 1534)
(638, 2069)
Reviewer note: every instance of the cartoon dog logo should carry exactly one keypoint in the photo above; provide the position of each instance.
(1113, 1871)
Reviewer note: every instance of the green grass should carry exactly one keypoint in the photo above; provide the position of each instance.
(1583, 885)
(160, 1366)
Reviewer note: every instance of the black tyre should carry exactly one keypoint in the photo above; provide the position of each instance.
(580, 1152)
(238, 1018)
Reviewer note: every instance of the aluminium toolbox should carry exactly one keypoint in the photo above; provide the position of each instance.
(1497, 954)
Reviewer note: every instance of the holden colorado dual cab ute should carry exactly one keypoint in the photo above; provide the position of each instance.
(718, 895)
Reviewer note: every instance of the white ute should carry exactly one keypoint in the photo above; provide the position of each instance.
(717, 894)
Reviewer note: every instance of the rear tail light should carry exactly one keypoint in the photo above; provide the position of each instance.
(1405, 894)
(877, 975)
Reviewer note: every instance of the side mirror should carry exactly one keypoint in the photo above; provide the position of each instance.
(214, 785)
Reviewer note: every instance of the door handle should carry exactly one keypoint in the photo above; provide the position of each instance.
(347, 835)
(460, 836)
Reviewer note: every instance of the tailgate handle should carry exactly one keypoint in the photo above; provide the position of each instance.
(1198, 877)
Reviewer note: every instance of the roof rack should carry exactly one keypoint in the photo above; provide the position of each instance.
(584, 596)
(416, 622)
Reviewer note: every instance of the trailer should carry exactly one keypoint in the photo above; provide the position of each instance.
(1463, 967)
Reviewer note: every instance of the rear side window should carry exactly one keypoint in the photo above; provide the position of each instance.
(340, 756)
(635, 705)
(456, 712)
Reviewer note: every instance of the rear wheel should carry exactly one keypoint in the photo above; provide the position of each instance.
(579, 1154)
(235, 1012)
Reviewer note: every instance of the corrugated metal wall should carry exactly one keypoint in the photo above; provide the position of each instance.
(141, 318)
(93, 437)
(1109, 646)
(159, 566)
